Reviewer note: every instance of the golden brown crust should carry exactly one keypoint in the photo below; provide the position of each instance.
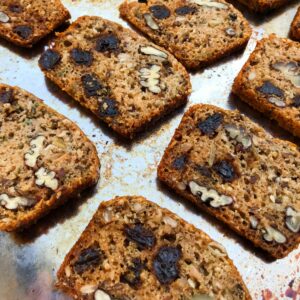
(192, 48)
(23, 184)
(118, 213)
(25, 22)
(263, 6)
(295, 26)
(178, 180)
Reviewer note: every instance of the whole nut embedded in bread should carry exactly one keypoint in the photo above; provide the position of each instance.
(150, 22)
(4, 18)
(208, 3)
(100, 295)
(150, 78)
(292, 219)
(46, 178)
(270, 234)
(149, 50)
(15, 202)
(36, 145)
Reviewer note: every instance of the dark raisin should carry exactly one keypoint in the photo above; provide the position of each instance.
(203, 170)
(49, 59)
(91, 85)
(107, 43)
(211, 124)
(133, 274)
(296, 101)
(82, 57)
(23, 31)
(108, 108)
(87, 258)
(6, 96)
(165, 264)
(142, 1)
(225, 169)
(15, 8)
(160, 11)
(185, 10)
(232, 16)
(269, 88)
(179, 162)
(143, 237)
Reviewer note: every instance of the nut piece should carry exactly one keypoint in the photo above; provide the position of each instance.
(253, 222)
(88, 288)
(168, 220)
(15, 202)
(150, 22)
(213, 4)
(292, 220)
(100, 295)
(290, 70)
(4, 18)
(230, 32)
(209, 195)
(239, 135)
(270, 234)
(201, 297)
(36, 146)
(150, 78)
(149, 50)
(46, 178)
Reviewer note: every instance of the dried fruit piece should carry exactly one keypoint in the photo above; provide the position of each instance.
(290, 70)
(133, 275)
(91, 85)
(211, 124)
(15, 8)
(150, 78)
(160, 11)
(179, 162)
(36, 145)
(4, 18)
(226, 170)
(23, 31)
(15, 202)
(149, 50)
(165, 264)
(88, 257)
(49, 59)
(292, 219)
(150, 22)
(203, 170)
(213, 4)
(46, 178)
(270, 234)
(143, 237)
(82, 57)
(6, 96)
(185, 10)
(107, 43)
(108, 108)
(239, 135)
(269, 88)
(296, 101)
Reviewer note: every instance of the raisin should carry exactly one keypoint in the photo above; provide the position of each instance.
(296, 101)
(142, 1)
(232, 16)
(15, 8)
(23, 31)
(203, 170)
(107, 43)
(49, 59)
(160, 11)
(133, 274)
(87, 258)
(211, 124)
(108, 108)
(179, 162)
(225, 169)
(165, 264)
(82, 57)
(91, 85)
(269, 88)
(6, 96)
(185, 10)
(143, 237)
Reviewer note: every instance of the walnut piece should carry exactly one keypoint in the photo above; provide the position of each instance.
(168, 220)
(88, 288)
(290, 70)
(4, 18)
(150, 22)
(208, 3)
(270, 234)
(239, 135)
(149, 78)
(149, 50)
(15, 202)
(292, 220)
(100, 295)
(46, 178)
(36, 146)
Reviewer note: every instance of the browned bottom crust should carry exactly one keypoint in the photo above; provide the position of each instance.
(263, 6)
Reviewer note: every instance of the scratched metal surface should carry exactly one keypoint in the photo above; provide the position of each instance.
(29, 260)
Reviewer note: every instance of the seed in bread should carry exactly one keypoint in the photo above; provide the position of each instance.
(45, 159)
(24, 22)
(231, 168)
(197, 32)
(270, 81)
(295, 26)
(134, 249)
(124, 79)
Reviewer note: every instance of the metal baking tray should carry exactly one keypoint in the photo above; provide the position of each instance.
(29, 259)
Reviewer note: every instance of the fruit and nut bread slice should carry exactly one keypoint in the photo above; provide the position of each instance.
(134, 249)
(45, 159)
(270, 81)
(231, 168)
(125, 80)
(263, 6)
(197, 32)
(24, 22)
(295, 26)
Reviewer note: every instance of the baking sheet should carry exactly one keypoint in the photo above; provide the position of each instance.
(29, 260)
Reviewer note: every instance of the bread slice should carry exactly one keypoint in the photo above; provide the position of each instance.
(125, 80)
(231, 168)
(45, 159)
(26, 22)
(197, 32)
(270, 81)
(263, 6)
(134, 249)
(295, 26)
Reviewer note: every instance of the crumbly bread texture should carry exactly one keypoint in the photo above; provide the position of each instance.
(134, 249)
(24, 22)
(270, 81)
(125, 80)
(45, 159)
(231, 168)
(263, 6)
(197, 32)
(295, 26)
